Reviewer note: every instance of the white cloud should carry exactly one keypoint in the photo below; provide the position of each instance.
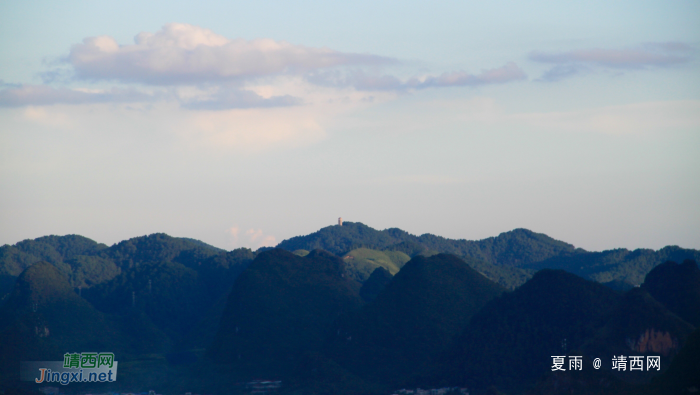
(506, 73)
(218, 98)
(362, 80)
(204, 71)
(42, 95)
(233, 231)
(225, 99)
(619, 58)
(258, 239)
(251, 238)
(648, 55)
(186, 54)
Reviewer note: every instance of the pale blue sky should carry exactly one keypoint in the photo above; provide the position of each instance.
(580, 120)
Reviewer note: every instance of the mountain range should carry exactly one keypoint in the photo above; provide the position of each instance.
(350, 309)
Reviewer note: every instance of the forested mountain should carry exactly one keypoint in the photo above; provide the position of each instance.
(43, 318)
(677, 287)
(159, 247)
(411, 320)
(499, 258)
(281, 307)
(682, 376)
(341, 239)
(620, 264)
(375, 284)
(516, 248)
(73, 255)
(552, 313)
(509, 259)
(87, 263)
(361, 262)
(638, 325)
(158, 281)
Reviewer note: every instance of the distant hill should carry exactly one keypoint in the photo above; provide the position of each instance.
(72, 255)
(509, 259)
(620, 264)
(281, 307)
(500, 258)
(411, 320)
(361, 262)
(159, 247)
(87, 263)
(341, 239)
(515, 248)
(186, 276)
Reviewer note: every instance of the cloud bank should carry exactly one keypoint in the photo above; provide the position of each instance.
(204, 71)
(361, 80)
(227, 99)
(252, 237)
(651, 55)
(42, 95)
(185, 54)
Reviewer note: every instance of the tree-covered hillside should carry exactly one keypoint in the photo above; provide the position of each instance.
(43, 318)
(677, 287)
(411, 320)
(515, 248)
(280, 308)
(499, 258)
(361, 262)
(620, 264)
(509, 259)
(552, 313)
(168, 283)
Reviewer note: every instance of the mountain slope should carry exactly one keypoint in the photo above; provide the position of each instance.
(43, 318)
(515, 248)
(280, 307)
(413, 318)
(677, 287)
(638, 325)
(500, 258)
(553, 312)
(361, 262)
(159, 247)
(341, 239)
(375, 284)
(619, 264)
(53, 249)
(682, 376)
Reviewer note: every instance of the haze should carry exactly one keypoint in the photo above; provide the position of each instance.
(246, 123)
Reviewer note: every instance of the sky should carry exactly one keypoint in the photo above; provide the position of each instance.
(242, 124)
